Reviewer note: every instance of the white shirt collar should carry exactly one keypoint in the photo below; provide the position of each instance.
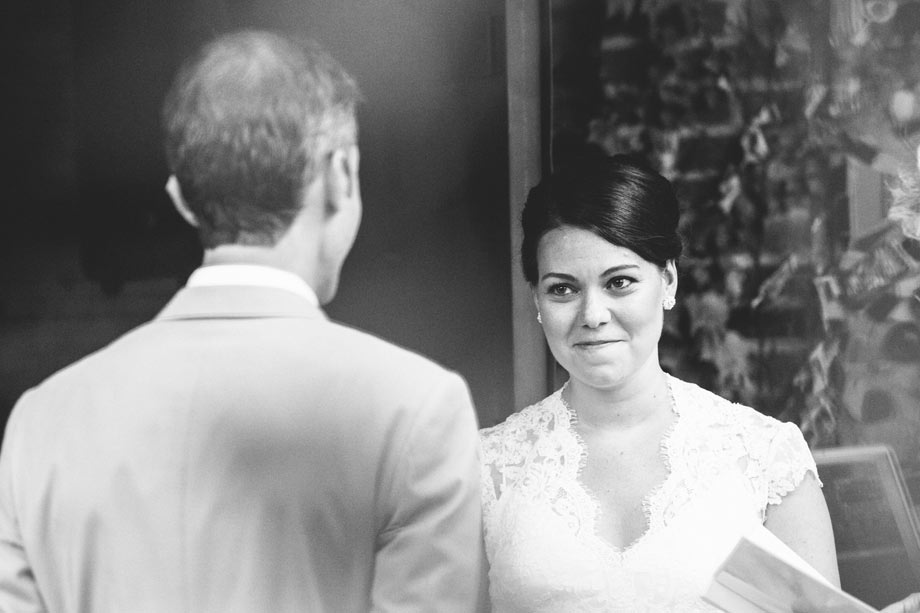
(253, 275)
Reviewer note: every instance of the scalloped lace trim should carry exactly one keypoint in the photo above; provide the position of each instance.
(540, 521)
(540, 452)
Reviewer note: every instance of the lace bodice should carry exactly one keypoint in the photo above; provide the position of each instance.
(726, 464)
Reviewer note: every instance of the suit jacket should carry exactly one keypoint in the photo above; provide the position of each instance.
(241, 452)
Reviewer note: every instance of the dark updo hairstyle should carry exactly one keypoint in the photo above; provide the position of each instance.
(621, 198)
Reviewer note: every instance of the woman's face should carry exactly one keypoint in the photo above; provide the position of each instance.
(601, 305)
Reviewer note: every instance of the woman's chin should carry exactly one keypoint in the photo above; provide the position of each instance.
(600, 378)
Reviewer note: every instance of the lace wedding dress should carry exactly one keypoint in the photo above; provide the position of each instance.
(726, 464)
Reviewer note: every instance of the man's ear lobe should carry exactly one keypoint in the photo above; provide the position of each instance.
(354, 160)
(342, 176)
(175, 194)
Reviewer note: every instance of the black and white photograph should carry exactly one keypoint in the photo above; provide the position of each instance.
(493, 306)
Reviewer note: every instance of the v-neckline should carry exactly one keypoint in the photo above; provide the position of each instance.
(649, 501)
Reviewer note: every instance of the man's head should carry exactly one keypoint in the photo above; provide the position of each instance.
(259, 129)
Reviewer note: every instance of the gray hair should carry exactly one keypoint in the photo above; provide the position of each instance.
(249, 122)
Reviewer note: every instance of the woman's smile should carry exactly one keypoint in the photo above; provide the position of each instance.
(600, 305)
(596, 344)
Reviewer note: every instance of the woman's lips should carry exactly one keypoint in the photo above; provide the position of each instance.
(595, 344)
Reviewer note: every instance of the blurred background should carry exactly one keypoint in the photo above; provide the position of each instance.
(90, 245)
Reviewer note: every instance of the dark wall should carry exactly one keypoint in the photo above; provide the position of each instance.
(90, 247)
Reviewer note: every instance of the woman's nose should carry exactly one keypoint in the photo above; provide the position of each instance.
(594, 310)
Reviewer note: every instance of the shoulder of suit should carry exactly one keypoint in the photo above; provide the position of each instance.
(372, 358)
(368, 360)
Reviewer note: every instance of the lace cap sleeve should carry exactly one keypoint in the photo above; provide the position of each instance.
(488, 457)
(788, 459)
(506, 449)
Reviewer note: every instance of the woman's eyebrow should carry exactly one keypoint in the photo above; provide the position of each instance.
(619, 268)
(611, 270)
(560, 275)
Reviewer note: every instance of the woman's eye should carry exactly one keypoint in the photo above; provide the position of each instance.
(620, 282)
(560, 290)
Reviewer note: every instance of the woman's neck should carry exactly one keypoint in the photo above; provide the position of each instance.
(633, 403)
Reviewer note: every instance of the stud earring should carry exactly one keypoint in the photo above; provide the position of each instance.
(539, 318)
(668, 303)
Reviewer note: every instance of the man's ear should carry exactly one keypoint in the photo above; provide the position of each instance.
(342, 185)
(175, 194)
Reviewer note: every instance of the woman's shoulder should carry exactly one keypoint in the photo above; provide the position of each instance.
(521, 429)
(775, 453)
(708, 409)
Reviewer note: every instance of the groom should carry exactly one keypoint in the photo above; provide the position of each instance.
(241, 452)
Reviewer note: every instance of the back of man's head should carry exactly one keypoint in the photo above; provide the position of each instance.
(249, 122)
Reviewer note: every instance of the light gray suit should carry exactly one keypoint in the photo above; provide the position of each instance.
(242, 453)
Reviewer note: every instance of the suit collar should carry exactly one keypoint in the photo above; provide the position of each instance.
(229, 302)
(251, 274)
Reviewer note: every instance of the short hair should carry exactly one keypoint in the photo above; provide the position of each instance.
(249, 121)
(621, 198)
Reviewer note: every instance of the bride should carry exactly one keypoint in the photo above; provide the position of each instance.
(624, 489)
